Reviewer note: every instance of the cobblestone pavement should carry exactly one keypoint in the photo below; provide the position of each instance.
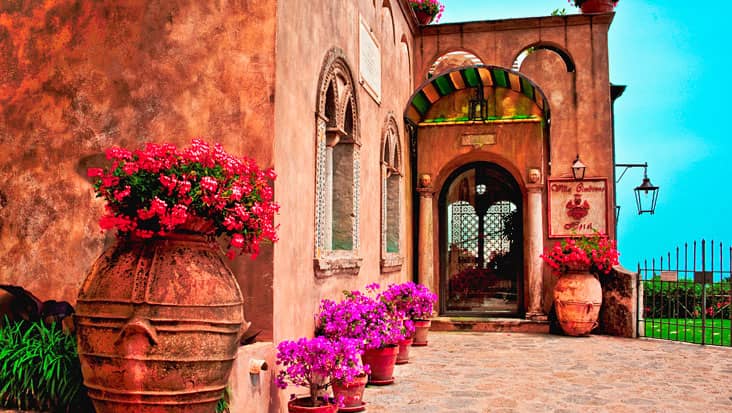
(510, 372)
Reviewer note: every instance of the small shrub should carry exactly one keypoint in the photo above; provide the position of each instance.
(40, 369)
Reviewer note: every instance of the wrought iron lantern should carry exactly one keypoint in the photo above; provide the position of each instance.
(478, 106)
(646, 195)
(578, 169)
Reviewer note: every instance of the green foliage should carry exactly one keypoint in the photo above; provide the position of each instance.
(223, 405)
(559, 12)
(39, 368)
(715, 332)
(684, 299)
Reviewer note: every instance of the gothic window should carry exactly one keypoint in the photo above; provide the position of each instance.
(337, 170)
(391, 183)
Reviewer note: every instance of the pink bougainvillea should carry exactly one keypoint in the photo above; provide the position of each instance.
(160, 189)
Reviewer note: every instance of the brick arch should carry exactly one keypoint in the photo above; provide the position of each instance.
(552, 47)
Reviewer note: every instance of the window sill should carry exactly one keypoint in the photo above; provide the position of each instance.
(391, 263)
(337, 263)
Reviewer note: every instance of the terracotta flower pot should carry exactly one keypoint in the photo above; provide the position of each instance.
(577, 301)
(158, 324)
(597, 6)
(423, 18)
(403, 356)
(382, 363)
(421, 328)
(352, 394)
(304, 405)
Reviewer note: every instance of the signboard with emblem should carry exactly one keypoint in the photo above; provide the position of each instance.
(577, 207)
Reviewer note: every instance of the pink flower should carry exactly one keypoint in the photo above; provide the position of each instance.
(94, 172)
(237, 241)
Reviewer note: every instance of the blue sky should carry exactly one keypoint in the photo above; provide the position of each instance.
(672, 55)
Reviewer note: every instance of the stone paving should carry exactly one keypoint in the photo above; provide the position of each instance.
(513, 372)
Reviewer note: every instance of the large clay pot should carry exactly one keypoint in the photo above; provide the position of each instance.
(403, 356)
(158, 324)
(303, 405)
(352, 394)
(597, 6)
(421, 328)
(577, 301)
(381, 361)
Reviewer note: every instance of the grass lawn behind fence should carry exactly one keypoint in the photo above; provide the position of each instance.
(716, 332)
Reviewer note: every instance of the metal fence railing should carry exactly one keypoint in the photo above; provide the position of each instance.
(687, 295)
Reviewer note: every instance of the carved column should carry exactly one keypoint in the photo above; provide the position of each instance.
(426, 237)
(535, 234)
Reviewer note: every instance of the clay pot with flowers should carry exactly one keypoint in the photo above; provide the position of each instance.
(416, 302)
(427, 11)
(317, 364)
(577, 293)
(363, 317)
(160, 314)
(594, 6)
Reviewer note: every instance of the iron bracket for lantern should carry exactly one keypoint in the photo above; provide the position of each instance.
(646, 194)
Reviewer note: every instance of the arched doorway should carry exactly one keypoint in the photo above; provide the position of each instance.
(481, 239)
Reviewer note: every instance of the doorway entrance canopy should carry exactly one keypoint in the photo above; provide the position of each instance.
(481, 93)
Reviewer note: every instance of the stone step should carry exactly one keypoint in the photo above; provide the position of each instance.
(483, 324)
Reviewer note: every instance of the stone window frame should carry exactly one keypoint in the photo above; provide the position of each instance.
(392, 168)
(337, 123)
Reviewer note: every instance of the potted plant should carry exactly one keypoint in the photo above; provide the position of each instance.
(594, 6)
(316, 364)
(416, 302)
(577, 293)
(161, 298)
(39, 368)
(372, 323)
(427, 10)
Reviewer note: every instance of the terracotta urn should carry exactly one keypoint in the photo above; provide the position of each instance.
(598, 6)
(577, 301)
(158, 323)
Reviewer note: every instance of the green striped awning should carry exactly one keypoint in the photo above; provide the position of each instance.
(469, 77)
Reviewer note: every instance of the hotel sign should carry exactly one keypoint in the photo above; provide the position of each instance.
(577, 207)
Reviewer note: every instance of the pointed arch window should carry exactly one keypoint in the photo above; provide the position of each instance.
(391, 191)
(337, 170)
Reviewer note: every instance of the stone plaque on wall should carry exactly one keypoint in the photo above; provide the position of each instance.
(369, 62)
(577, 207)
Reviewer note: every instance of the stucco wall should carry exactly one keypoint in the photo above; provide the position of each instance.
(77, 77)
(307, 30)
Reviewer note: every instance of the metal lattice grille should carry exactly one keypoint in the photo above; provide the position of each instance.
(464, 228)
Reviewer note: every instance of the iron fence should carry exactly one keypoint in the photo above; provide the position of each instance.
(687, 295)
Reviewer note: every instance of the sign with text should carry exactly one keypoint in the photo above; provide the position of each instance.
(577, 207)
(369, 62)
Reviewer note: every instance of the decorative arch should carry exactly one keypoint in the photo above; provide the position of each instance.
(392, 173)
(480, 78)
(560, 51)
(337, 172)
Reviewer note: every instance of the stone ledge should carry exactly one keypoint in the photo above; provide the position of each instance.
(514, 325)
(391, 263)
(337, 264)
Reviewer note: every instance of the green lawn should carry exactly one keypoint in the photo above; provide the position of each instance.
(717, 332)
